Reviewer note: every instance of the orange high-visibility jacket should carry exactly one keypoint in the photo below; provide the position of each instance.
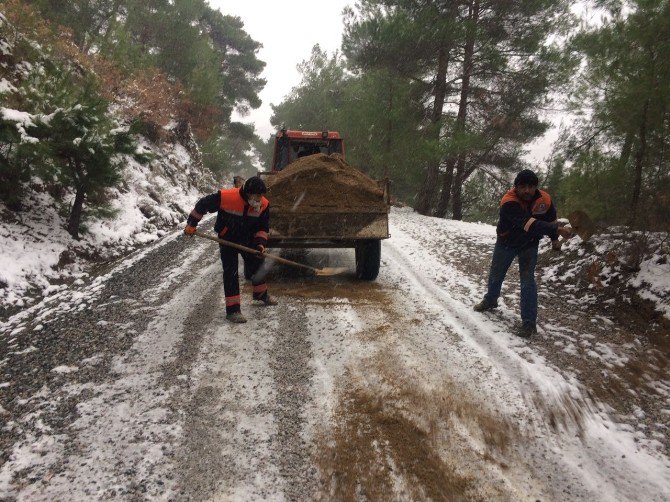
(236, 220)
(524, 223)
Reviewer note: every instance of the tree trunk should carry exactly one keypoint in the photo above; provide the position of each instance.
(461, 118)
(447, 182)
(626, 150)
(462, 174)
(457, 189)
(75, 213)
(427, 192)
(639, 163)
(389, 130)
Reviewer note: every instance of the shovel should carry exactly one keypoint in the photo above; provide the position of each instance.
(317, 271)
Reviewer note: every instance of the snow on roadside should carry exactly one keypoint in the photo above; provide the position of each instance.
(653, 281)
(609, 457)
(59, 300)
(608, 258)
(619, 259)
(36, 251)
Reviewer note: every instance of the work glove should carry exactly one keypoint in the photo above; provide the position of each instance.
(190, 230)
(260, 248)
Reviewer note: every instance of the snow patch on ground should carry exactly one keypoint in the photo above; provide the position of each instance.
(435, 285)
(65, 369)
(36, 251)
(653, 281)
(123, 429)
(616, 258)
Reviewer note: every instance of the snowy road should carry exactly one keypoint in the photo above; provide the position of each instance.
(135, 386)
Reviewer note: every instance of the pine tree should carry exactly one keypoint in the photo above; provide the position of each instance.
(375, 111)
(488, 56)
(626, 84)
(87, 145)
(413, 40)
(203, 53)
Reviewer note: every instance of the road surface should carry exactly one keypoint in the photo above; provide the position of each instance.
(133, 385)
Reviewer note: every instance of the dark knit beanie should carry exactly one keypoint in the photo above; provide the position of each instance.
(526, 177)
(254, 185)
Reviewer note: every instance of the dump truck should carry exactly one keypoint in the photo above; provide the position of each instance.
(318, 200)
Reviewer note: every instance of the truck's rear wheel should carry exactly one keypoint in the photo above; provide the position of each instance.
(368, 258)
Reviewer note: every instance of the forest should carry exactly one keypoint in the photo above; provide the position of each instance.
(445, 98)
(442, 97)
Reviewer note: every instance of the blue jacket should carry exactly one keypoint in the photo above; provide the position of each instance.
(522, 223)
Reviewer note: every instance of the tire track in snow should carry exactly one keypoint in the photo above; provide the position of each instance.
(467, 326)
(229, 447)
(593, 462)
(292, 374)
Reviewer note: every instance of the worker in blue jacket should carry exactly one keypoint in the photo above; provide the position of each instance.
(526, 215)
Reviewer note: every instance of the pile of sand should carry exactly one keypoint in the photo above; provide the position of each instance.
(324, 182)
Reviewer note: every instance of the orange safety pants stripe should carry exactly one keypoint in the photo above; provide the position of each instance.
(232, 300)
(261, 288)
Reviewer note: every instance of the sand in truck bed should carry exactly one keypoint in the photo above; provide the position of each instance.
(324, 183)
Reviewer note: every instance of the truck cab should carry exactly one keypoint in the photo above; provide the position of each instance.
(291, 145)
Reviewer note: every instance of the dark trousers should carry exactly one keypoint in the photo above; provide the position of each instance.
(231, 280)
(503, 257)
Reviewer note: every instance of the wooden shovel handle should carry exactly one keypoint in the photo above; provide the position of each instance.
(255, 251)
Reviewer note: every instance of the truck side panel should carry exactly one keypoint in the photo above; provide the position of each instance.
(328, 226)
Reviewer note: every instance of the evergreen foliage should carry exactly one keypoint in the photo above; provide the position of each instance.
(86, 144)
(79, 79)
(228, 152)
(376, 112)
(617, 151)
(484, 68)
(207, 54)
(442, 97)
(445, 97)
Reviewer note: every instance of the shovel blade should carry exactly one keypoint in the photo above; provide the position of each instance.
(330, 271)
(581, 224)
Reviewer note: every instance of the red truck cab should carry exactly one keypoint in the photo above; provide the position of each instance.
(291, 145)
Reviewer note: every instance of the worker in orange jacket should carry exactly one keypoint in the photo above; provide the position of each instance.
(526, 215)
(243, 218)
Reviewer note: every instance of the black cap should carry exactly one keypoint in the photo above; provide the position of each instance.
(254, 185)
(526, 177)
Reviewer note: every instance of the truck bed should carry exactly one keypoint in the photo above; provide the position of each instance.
(326, 229)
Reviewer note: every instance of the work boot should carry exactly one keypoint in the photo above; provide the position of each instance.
(526, 330)
(236, 317)
(268, 301)
(484, 305)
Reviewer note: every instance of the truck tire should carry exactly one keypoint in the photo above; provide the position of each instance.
(368, 258)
